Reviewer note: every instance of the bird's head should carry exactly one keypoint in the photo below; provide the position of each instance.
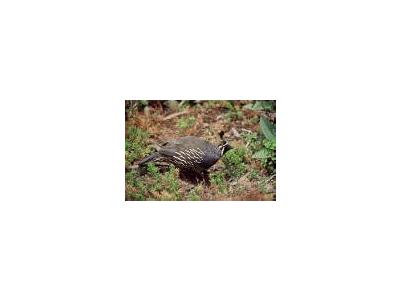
(223, 146)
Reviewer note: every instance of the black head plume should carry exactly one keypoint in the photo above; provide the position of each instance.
(221, 135)
(224, 146)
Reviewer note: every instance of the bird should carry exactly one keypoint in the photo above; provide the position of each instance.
(189, 154)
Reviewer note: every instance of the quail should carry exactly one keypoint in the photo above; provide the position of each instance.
(189, 153)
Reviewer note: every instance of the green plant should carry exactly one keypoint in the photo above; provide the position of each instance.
(218, 179)
(267, 128)
(233, 113)
(265, 105)
(135, 188)
(267, 155)
(154, 185)
(153, 170)
(263, 147)
(262, 185)
(155, 175)
(252, 140)
(234, 161)
(194, 194)
(170, 182)
(254, 175)
(186, 122)
(143, 103)
(212, 103)
(254, 120)
(135, 145)
(266, 150)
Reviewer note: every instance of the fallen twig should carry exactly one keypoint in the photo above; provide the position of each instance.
(175, 115)
(131, 167)
(246, 130)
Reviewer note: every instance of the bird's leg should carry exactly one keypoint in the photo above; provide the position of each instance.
(206, 178)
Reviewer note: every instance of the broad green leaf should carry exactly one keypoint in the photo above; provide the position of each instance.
(267, 128)
(260, 105)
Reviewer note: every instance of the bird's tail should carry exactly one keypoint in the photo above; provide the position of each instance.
(149, 158)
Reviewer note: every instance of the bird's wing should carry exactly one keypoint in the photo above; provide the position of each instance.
(172, 147)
